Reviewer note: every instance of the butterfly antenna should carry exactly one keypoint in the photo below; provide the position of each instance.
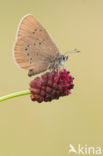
(72, 51)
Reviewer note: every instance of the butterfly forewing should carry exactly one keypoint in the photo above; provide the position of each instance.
(34, 49)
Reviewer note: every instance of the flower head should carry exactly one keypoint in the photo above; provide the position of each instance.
(51, 86)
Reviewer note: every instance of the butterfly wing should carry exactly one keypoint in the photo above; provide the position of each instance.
(34, 48)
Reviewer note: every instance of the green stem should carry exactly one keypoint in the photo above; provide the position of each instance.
(16, 94)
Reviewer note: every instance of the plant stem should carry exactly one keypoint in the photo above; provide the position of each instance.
(16, 94)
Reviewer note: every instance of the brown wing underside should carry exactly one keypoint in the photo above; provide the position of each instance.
(33, 48)
(29, 55)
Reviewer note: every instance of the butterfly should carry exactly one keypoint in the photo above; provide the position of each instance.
(34, 50)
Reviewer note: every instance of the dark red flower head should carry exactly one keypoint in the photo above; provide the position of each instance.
(51, 86)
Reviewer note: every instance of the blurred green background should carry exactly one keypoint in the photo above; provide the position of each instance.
(47, 129)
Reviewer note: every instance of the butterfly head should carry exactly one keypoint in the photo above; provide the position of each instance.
(64, 58)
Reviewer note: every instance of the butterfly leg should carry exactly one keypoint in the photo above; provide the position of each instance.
(58, 70)
(64, 67)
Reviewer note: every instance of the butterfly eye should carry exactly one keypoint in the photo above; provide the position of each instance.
(64, 58)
